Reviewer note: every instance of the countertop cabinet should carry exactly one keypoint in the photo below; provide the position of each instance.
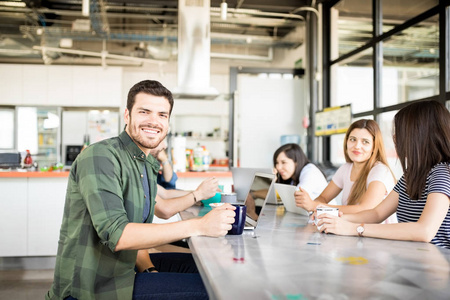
(13, 217)
(85, 86)
(45, 211)
(31, 211)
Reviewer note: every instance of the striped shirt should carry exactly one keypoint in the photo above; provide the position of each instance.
(438, 181)
(104, 194)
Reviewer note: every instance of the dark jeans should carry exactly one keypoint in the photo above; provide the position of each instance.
(177, 278)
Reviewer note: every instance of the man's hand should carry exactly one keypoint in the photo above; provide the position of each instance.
(162, 156)
(218, 221)
(207, 189)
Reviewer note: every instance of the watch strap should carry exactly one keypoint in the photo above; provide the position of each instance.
(150, 270)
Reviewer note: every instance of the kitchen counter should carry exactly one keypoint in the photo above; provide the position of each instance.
(204, 174)
(32, 205)
(31, 174)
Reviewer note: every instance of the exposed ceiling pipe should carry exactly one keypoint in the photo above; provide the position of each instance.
(267, 58)
(307, 8)
(99, 54)
(223, 10)
(155, 36)
(108, 9)
(265, 14)
(85, 8)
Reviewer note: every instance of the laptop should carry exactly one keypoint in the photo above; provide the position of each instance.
(242, 179)
(257, 197)
(286, 193)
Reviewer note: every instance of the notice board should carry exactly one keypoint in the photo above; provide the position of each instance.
(333, 120)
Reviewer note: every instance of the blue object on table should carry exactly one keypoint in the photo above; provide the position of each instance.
(215, 199)
(239, 220)
(204, 211)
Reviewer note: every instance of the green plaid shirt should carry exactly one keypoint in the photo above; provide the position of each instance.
(104, 194)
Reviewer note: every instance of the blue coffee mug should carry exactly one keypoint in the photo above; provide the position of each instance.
(239, 219)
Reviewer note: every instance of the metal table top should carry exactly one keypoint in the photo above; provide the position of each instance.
(285, 257)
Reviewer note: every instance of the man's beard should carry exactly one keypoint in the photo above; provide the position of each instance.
(142, 141)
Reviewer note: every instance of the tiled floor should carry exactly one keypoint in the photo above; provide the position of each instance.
(24, 284)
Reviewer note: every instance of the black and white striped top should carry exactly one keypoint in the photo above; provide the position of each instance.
(438, 181)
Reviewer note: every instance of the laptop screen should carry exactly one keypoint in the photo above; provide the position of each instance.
(257, 195)
(243, 178)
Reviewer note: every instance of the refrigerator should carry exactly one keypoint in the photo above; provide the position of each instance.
(38, 130)
(81, 126)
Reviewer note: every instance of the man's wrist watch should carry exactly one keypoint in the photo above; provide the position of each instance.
(360, 229)
(150, 270)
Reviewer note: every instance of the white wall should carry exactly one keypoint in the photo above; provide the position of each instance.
(267, 109)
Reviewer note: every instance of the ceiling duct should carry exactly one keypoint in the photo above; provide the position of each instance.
(194, 47)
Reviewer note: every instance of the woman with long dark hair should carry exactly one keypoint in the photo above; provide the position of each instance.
(421, 198)
(293, 167)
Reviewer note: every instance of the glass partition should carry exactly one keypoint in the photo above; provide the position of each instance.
(386, 126)
(353, 83)
(411, 64)
(351, 26)
(396, 12)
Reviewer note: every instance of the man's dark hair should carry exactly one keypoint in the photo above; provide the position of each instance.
(151, 87)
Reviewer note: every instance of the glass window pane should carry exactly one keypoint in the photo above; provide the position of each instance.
(411, 64)
(386, 126)
(396, 12)
(351, 26)
(352, 82)
(7, 128)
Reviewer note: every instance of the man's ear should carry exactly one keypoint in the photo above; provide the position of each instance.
(126, 116)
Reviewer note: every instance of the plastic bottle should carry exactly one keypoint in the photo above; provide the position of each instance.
(189, 160)
(198, 158)
(28, 160)
(86, 142)
(206, 159)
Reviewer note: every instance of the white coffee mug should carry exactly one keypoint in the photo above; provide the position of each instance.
(334, 211)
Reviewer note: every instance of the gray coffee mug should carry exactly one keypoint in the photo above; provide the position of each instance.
(229, 198)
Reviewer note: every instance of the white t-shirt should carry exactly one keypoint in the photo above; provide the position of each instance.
(312, 180)
(379, 172)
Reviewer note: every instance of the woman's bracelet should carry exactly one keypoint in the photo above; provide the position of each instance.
(195, 198)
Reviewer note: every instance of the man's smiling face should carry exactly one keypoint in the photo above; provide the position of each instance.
(148, 121)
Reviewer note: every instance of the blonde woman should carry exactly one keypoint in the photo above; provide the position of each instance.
(365, 179)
